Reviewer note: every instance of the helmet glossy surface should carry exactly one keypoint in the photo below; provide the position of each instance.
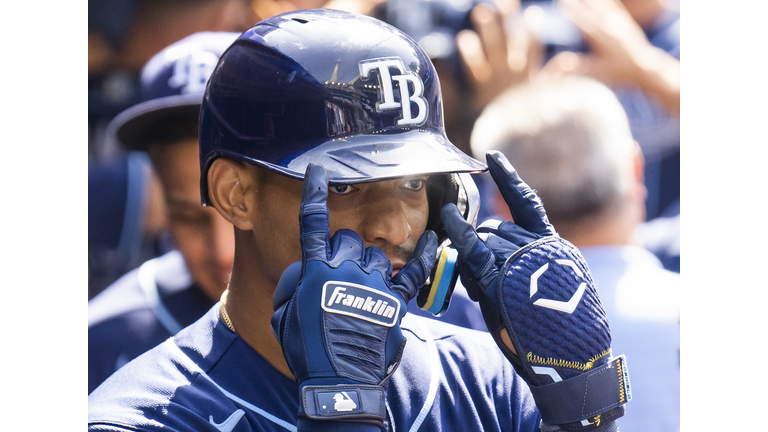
(338, 89)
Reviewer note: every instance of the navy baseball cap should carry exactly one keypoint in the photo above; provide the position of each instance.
(172, 85)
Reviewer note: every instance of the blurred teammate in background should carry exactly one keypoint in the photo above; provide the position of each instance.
(570, 139)
(633, 46)
(163, 295)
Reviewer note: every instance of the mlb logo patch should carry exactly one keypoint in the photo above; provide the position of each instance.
(361, 302)
(338, 402)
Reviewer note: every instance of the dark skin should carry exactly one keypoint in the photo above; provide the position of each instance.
(264, 208)
(202, 236)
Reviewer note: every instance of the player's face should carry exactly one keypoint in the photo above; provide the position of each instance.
(390, 215)
(204, 238)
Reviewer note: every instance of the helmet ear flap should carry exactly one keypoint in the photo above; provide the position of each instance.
(460, 189)
(435, 296)
(441, 190)
(457, 188)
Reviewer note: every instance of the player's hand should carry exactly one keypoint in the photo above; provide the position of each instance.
(619, 52)
(337, 316)
(540, 304)
(497, 55)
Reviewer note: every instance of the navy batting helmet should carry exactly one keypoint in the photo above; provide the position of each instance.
(346, 91)
(342, 90)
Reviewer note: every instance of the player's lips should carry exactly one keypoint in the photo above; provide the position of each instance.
(396, 268)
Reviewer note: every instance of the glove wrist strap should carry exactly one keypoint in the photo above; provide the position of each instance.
(584, 396)
(357, 403)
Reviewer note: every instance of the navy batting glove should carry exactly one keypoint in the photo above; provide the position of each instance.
(337, 317)
(537, 287)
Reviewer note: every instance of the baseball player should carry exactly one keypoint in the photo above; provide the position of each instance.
(336, 118)
(155, 301)
(164, 295)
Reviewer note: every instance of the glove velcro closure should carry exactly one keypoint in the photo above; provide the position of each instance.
(586, 395)
(355, 403)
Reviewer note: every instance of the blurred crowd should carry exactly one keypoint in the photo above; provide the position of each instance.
(582, 96)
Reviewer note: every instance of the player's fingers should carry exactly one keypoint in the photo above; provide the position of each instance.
(583, 15)
(346, 245)
(602, 10)
(507, 7)
(313, 216)
(375, 259)
(473, 253)
(506, 238)
(597, 68)
(524, 205)
(490, 27)
(519, 45)
(415, 272)
(564, 63)
(534, 21)
(472, 56)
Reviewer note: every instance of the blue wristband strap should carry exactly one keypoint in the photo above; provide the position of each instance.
(584, 396)
(357, 403)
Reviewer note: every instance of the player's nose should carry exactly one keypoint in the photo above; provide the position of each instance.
(384, 222)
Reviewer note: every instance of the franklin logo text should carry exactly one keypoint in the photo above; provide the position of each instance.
(361, 302)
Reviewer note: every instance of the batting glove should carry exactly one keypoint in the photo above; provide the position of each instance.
(337, 317)
(536, 288)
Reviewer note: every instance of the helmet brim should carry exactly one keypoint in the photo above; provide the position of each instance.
(375, 157)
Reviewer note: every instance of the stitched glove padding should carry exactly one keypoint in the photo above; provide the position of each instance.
(337, 316)
(536, 288)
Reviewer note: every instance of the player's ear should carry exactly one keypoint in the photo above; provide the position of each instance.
(229, 183)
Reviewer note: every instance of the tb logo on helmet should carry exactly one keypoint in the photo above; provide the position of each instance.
(387, 80)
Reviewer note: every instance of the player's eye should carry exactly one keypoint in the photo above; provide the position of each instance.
(415, 184)
(341, 189)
